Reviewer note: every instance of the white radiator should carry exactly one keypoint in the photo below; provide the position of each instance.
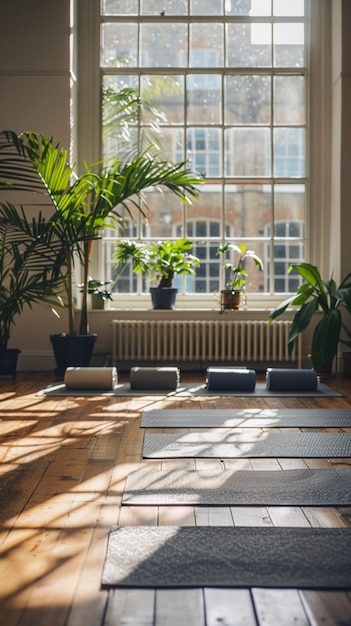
(202, 341)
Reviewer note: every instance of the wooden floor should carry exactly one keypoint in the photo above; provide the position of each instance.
(64, 462)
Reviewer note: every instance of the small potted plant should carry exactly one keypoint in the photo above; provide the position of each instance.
(161, 262)
(98, 292)
(231, 295)
(313, 296)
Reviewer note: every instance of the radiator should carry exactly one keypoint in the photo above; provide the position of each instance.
(202, 341)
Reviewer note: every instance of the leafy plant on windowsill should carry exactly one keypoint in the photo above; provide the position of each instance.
(97, 288)
(238, 270)
(161, 261)
(317, 295)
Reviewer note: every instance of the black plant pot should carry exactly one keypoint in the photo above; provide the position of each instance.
(72, 351)
(8, 361)
(163, 297)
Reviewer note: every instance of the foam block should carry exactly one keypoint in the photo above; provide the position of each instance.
(230, 379)
(154, 378)
(280, 379)
(103, 378)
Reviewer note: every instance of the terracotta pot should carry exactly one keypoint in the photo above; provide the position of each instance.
(230, 299)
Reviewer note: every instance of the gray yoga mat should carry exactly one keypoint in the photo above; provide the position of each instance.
(186, 390)
(246, 418)
(222, 444)
(235, 488)
(222, 556)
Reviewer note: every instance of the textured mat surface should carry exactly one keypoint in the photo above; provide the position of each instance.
(222, 444)
(186, 389)
(232, 488)
(246, 418)
(168, 556)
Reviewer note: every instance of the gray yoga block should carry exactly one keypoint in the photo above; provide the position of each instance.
(281, 379)
(154, 378)
(100, 378)
(230, 379)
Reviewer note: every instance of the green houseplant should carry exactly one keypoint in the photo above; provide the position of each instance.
(161, 262)
(231, 295)
(29, 272)
(86, 204)
(312, 296)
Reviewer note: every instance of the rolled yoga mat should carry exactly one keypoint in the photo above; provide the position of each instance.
(280, 379)
(230, 379)
(99, 378)
(154, 378)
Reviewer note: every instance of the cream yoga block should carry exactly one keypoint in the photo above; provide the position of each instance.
(102, 378)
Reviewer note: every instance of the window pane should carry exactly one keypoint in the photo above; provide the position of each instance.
(247, 209)
(165, 44)
(288, 45)
(248, 7)
(247, 152)
(119, 125)
(119, 7)
(289, 209)
(165, 97)
(289, 100)
(206, 7)
(289, 152)
(166, 7)
(247, 99)
(286, 7)
(249, 45)
(206, 45)
(165, 215)
(205, 151)
(204, 99)
(119, 45)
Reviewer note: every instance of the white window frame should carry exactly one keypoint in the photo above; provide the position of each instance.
(318, 40)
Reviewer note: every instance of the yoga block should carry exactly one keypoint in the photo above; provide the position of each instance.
(154, 378)
(280, 379)
(230, 379)
(100, 378)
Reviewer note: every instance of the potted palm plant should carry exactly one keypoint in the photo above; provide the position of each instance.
(161, 262)
(313, 296)
(92, 201)
(235, 287)
(29, 272)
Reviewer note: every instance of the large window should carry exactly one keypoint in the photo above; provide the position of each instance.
(226, 80)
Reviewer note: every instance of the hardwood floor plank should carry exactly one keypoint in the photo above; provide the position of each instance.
(213, 516)
(279, 607)
(176, 516)
(179, 606)
(251, 516)
(230, 607)
(287, 516)
(127, 606)
(327, 608)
